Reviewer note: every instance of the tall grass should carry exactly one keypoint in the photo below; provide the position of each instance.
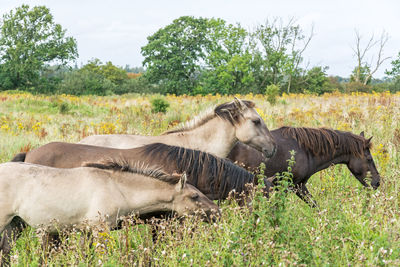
(351, 226)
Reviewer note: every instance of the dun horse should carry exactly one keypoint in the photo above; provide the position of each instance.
(215, 132)
(213, 176)
(316, 149)
(39, 195)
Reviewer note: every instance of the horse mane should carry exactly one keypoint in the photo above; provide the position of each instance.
(229, 111)
(122, 165)
(322, 141)
(223, 176)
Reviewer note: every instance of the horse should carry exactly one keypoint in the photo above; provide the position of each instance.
(216, 132)
(213, 176)
(316, 149)
(39, 195)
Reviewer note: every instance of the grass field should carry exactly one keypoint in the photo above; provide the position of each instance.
(352, 226)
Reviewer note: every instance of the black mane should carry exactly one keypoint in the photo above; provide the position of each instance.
(222, 175)
(323, 141)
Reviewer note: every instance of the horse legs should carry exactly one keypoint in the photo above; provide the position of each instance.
(10, 234)
(49, 241)
(303, 193)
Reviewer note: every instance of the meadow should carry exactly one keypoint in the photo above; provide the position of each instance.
(352, 225)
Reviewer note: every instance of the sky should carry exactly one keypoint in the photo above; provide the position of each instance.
(116, 30)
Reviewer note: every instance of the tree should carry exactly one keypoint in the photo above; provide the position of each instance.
(360, 74)
(365, 69)
(227, 67)
(316, 80)
(30, 39)
(174, 53)
(108, 70)
(395, 71)
(278, 49)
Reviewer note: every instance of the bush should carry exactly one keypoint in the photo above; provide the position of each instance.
(136, 85)
(83, 82)
(395, 85)
(272, 92)
(159, 105)
(357, 87)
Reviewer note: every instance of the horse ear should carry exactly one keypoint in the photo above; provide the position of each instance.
(182, 181)
(369, 140)
(362, 133)
(238, 103)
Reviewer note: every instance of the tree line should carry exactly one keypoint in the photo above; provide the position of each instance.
(188, 56)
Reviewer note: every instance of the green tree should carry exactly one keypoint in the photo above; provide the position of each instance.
(277, 49)
(30, 39)
(395, 71)
(109, 71)
(174, 53)
(361, 74)
(228, 62)
(316, 80)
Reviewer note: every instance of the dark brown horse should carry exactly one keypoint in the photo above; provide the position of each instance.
(215, 177)
(316, 149)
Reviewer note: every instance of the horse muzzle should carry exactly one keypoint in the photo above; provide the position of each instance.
(270, 151)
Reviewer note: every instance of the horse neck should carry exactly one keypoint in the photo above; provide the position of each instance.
(216, 136)
(323, 162)
(145, 194)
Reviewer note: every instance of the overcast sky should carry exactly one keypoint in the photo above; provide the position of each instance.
(116, 30)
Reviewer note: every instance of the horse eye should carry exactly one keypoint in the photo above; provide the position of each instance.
(194, 196)
(256, 121)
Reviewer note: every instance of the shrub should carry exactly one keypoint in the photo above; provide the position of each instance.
(159, 105)
(357, 87)
(136, 85)
(272, 92)
(82, 82)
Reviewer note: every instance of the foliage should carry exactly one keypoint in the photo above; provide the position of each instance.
(136, 85)
(228, 62)
(395, 74)
(29, 39)
(272, 93)
(109, 71)
(202, 56)
(159, 104)
(361, 74)
(357, 87)
(85, 82)
(395, 71)
(277, 49)
(316, 80)
(173, 54)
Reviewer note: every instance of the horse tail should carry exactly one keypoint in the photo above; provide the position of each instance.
(20, 157)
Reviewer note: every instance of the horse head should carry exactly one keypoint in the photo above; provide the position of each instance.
(188, 200)
(249, 126)
(363, 166)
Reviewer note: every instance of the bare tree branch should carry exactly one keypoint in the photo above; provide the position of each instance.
(360, 53)
(382, 42)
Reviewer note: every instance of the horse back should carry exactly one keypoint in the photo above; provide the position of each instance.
(20, 157)
(68, 155)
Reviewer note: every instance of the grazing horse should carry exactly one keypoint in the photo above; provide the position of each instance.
(316, 149)
(216, 132)
(215, 177)
(38, 195)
